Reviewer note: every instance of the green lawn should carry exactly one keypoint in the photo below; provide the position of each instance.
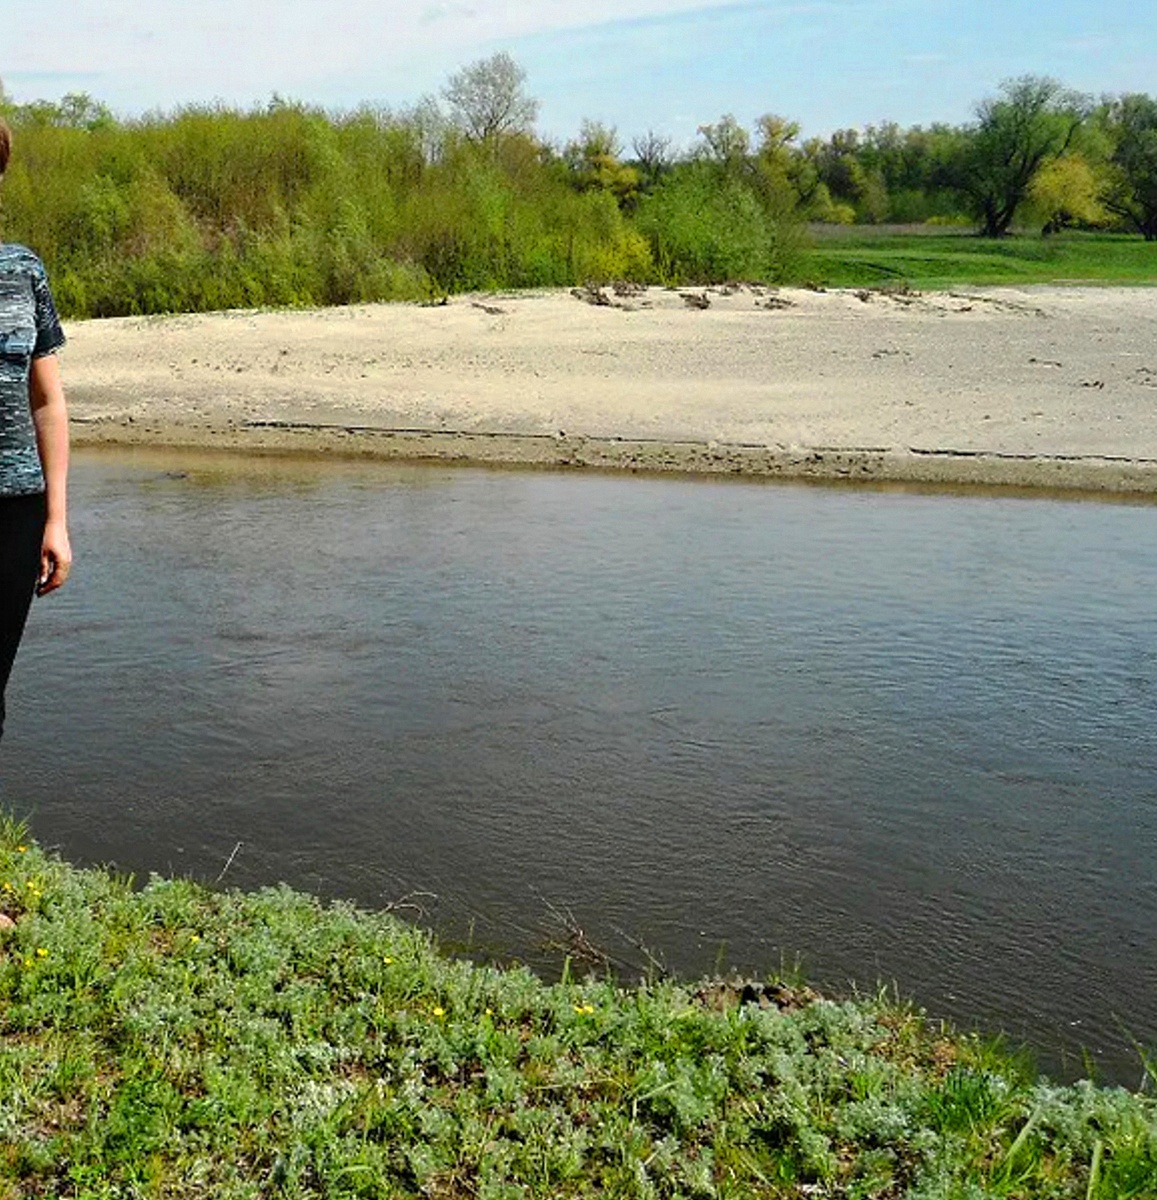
(172, 1041)
(861, 256)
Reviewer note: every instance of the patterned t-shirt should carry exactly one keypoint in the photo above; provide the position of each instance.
(29, 328)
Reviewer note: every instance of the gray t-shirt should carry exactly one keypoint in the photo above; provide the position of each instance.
(29, 328)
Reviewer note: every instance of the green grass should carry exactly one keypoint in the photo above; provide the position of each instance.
(866, 257)
(170, 1041)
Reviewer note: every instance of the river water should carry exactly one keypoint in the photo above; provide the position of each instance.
(900, 737)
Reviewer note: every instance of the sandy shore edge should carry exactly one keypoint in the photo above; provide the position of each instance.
(945, 467)
(1038, 388)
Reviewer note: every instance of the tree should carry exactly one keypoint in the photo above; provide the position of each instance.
(487, 100)
(595, 163)
(653, 157)
(726, 144)
(1132, 191)
(838, 165)
(786, 177)
(1031, 123)
(1066, 192)
(76, 110)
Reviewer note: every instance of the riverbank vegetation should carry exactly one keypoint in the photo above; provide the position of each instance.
(288, 204)
(175, 1041)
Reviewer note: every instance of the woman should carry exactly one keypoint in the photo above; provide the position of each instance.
(34, 550)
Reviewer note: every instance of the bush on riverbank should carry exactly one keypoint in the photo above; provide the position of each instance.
(174, 1041)
(211, 208)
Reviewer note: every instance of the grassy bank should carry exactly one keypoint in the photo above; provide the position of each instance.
(921, 257)
(174, 1041)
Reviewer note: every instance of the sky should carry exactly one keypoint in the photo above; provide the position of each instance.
(638, 65)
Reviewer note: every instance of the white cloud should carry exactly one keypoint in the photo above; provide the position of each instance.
(165, 51)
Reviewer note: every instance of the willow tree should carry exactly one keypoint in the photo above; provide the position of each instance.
(1031, 123)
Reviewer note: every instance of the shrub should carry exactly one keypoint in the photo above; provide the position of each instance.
(703, 227)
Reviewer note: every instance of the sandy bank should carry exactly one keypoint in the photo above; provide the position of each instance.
(1050, 386)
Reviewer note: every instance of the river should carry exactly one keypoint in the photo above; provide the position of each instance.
(718, 724)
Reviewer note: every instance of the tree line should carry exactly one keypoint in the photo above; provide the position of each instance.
(210, 207)
(1037, 153)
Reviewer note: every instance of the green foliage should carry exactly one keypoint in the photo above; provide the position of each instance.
(1065, 193)
(168, 1041)
(882, 174)
(479, 223)
(934, 256)
(1032, 122)
(75, 110)
(595, 162)
(726, 144)
(727, 214)
(838, 166)
(1131, 125)
(286, 204)
(702, 228)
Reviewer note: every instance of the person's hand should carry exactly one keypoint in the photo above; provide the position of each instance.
(55, 558)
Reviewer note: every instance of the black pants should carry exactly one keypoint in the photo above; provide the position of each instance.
(21, 533)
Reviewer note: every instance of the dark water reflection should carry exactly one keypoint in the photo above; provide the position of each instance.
(906, 737)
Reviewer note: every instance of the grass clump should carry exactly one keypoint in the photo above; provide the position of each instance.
(174, 1041)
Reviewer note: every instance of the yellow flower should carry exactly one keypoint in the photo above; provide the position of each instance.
(21, 849)
(28, 962)
(490, 1012)
(41, 952)
(439, 1011)
(387, 960)
(194, 937)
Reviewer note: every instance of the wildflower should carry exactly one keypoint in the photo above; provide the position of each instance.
(41, 952)
(585, 1009)
(28, 962)
(439, 1011)
(194, 938)
(21, 849)
(490, 1012)
(387, 960)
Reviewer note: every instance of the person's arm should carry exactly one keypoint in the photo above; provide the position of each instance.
(50, 419)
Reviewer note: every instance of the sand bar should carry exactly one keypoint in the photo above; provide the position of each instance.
(1053, 387)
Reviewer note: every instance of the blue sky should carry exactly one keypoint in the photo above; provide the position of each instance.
(667, 65)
